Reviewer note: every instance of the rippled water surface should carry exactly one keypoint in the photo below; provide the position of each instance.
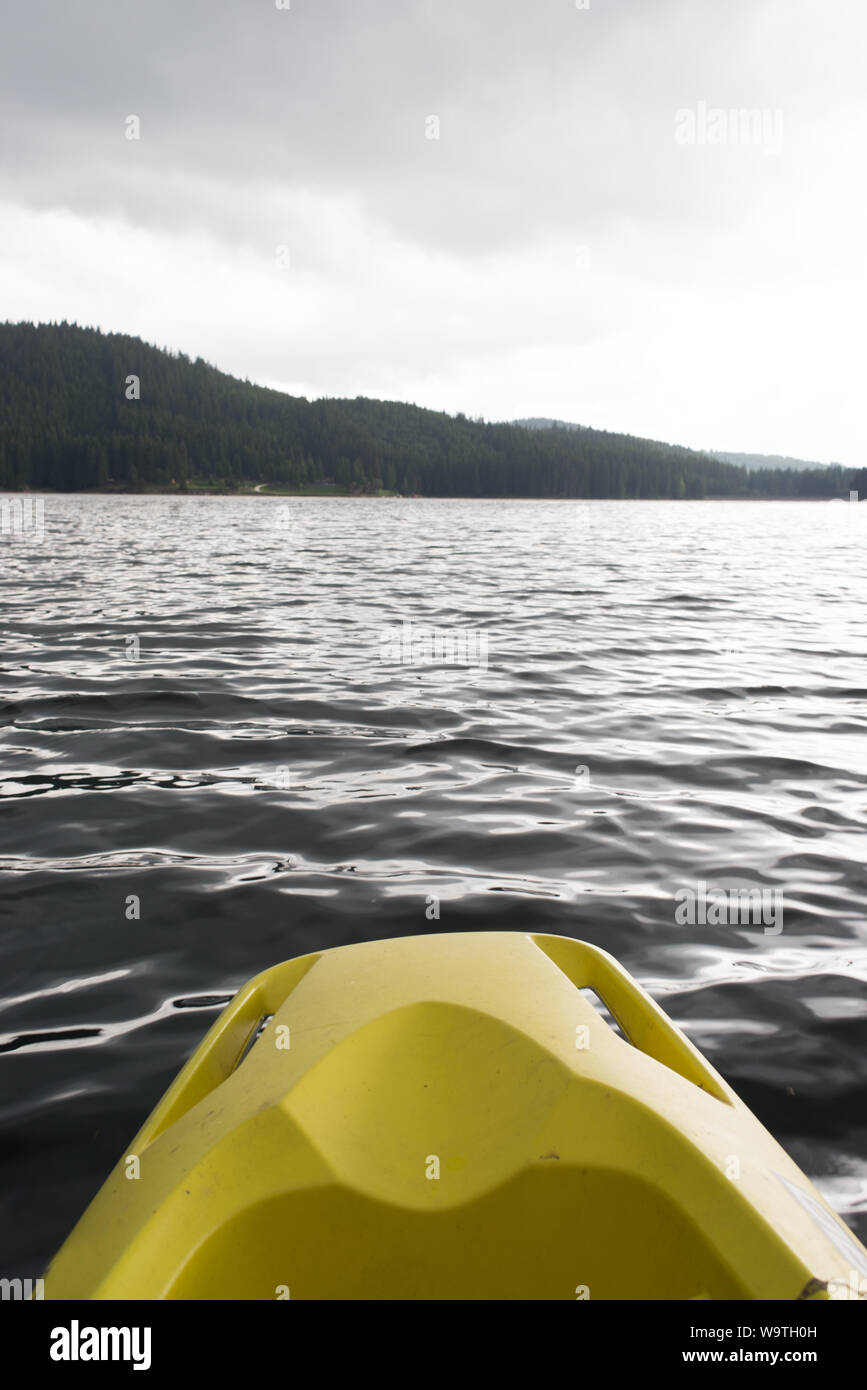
(199, 710)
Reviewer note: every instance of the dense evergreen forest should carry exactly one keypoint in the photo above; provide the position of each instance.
(83, 409)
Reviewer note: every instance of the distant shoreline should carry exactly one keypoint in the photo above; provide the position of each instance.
(259, 491)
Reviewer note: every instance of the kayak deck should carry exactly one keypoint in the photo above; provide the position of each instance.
(451, 1117)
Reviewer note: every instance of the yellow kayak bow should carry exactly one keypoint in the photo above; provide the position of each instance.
(452, 1117)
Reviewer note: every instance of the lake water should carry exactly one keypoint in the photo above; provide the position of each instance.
(288, 724)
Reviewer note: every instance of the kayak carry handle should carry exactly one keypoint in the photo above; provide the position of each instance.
(226, 1045)
(643, 1022)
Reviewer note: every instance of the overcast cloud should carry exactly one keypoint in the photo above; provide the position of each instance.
(556, 251)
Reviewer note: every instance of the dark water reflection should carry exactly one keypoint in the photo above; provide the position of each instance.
(196, 713)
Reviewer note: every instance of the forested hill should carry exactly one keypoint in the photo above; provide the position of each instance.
(71, 419)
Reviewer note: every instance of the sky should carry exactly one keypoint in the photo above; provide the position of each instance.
(641, 215)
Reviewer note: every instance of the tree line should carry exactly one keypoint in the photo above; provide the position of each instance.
(82, 409)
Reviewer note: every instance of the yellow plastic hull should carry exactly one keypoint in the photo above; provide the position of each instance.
(449, 1117)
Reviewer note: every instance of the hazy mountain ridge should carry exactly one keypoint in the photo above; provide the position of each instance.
(752, 462)
(767, 461)
(543, 423)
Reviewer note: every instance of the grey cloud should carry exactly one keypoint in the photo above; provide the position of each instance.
(553, 120)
